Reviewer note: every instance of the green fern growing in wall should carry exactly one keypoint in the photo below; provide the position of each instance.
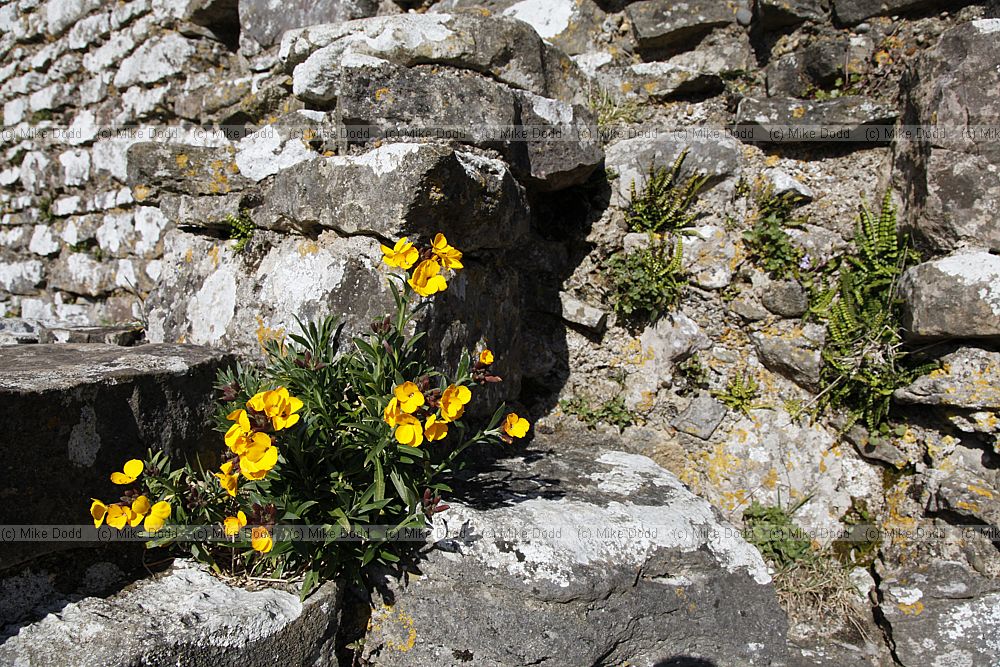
(665, 202)
(646, 283)
(865, 360)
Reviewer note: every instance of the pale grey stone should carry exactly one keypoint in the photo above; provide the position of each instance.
(155, 60)
(582, 314)
(265, 21)
(557, 574)
(701, 417)
(953, 297)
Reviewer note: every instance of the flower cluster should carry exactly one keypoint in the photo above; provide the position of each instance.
(134, 508)
(427, 278)
(417, 412)
(252, 451)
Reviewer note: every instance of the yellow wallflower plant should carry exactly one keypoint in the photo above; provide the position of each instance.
(327, 434)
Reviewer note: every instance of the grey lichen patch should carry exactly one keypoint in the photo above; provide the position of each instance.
(84, 441)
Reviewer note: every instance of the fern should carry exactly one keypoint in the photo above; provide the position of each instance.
(647, 283)
(664, 203)
(864, 358)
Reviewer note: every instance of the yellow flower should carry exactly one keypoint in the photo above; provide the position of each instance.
(118, 516)
(131, 470)
(392, 413)
(434, 429)
(158, 514)
(226, 479)
(258, 459)
(237, 434)
(408, 397)
(449, 256)
(515, 427)
(402, 255)
(98, 511)
(453, 402)
(486, 357)
(427, 279)
(140, 508)
(278, 405)
(409, 431)
(233, 524)
(260, 539)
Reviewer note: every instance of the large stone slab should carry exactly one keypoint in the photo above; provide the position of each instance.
(502, 48)
(850, 12)
(659, 25)
(953, 297)
(266, 21)
(581, 556)
(969, 378)
(402, 189)
(789, 120)
(81, 410)
(941, 612)
(183, 617)
(948, 176)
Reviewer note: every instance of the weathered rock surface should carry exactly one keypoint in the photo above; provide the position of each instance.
(397, 190)
(696, 72)
(850, 12)
(185, 616)
(266, 22)
(702, 416)
(527, 575)
(658, 349)
(792, 350)
(781, 13)
(562, 147)
(950, 182)
(941, 613)
(816, 67)
(956, 296)
(572, 25)
(659, 25)
(80, 411)
(505, 49)
(967, 378)
(789, 120)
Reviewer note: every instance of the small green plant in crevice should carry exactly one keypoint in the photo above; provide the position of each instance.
(613, 412)
(665, 201)
(772, 531)
(767, 242)
(691, 376)
(864, 358)
(646, 283)
(45, 213)
(611, 111)
(741, 392)
(861, 547)
(241, 230)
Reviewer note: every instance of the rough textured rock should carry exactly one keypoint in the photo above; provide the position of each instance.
(949, 181)
(82, 410)
(524, 582)
(816, 67)
(572, 25)
(941, 613)
(266, 21)
(154, 168)
(793, 350)
(659, 25)
(968, 378)
(185, 616)
(505, 49)
(781, 13)
(563, 147)
(956, 296)
(397, 190)
(786, 298)
(657, 350)
(850, 12)
(788, 120)
(699, 71)
(702, 416)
